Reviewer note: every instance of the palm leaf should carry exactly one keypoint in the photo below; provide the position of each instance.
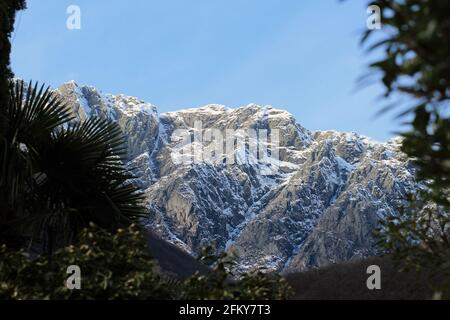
(58, 175)
(85, 175)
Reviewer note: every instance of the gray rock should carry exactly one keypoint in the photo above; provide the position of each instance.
(320, 207)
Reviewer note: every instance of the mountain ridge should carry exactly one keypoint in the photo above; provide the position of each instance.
(319, 207)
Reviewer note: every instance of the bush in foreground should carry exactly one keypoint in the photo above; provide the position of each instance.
(118, 266)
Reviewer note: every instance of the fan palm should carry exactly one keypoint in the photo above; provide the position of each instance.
(57, 174)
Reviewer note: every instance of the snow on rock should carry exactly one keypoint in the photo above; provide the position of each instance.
(318, 206)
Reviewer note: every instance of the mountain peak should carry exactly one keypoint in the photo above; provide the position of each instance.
(316, 203)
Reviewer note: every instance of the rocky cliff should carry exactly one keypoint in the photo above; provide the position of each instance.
(318, 206)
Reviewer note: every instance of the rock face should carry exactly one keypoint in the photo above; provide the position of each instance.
(319, 206)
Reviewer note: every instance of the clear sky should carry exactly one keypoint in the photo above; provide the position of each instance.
(298, 55)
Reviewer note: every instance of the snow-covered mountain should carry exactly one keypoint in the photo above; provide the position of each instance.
(319, 207)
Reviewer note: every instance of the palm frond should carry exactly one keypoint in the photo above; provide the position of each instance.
(57, 175)
(85, 174)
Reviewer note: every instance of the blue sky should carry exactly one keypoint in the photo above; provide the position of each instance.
(299, 55)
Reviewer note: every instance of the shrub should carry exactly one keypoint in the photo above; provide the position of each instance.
(113, 266)
(118, 266)
(219, 283)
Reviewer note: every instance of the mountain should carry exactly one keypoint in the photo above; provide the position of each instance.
(316, 203)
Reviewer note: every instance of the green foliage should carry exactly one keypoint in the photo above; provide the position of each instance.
(414, 37)
(429, 146)
(219, 283)
(418, 240)
(118, 266)
(29, 117)
(8, 9)
(114, 266)
(416, 45)
(416, 64)
(56, 175)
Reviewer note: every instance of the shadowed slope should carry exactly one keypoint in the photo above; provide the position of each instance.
(348, 281)
(172, 259)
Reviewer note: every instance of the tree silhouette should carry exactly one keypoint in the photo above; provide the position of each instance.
(416, 46)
